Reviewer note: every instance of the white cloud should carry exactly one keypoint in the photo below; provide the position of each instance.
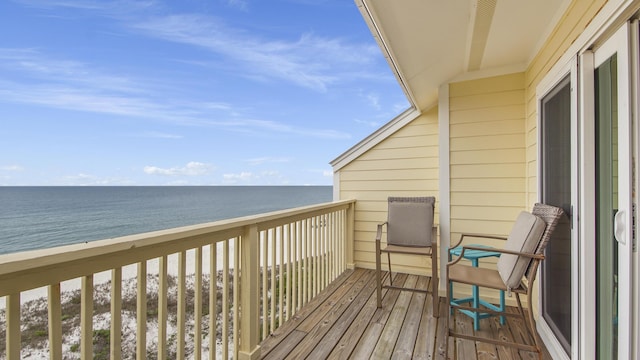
(83, 179)
(193, 168)
(241, 176)
(371, 123)
(75, 86)
(266, 159)
(11, 168)
(268, 177)
(374, 100)
(327, 173)
(309, 61)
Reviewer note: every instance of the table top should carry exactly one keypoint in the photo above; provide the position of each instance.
(475, 254)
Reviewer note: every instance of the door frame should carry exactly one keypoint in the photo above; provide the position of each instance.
(618, 43)
(553, 79)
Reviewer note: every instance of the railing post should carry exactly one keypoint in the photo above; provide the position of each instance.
(13, 326)
(350, 235)
(249, 296)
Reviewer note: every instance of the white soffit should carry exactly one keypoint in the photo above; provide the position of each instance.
(433, 41)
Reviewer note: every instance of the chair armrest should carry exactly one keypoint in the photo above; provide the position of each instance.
(379, 232)
(502, 251)
(482, 236)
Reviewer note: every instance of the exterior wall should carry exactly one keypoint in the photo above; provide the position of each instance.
(487, 155)
(404, 164)
(579, 14)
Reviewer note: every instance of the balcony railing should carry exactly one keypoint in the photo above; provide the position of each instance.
(270, 264)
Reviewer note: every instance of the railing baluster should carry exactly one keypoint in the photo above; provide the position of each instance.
(289, 240)
(309, 261)
(281, 282)
(182, 305)
(236, 297)
(13, 326)
(265, 285)
(295, 290)
(273, 279)
(141, 333)
(213, 300)
(316, 254)
(115, 333)
(299, 280)
(86, 318)
(163, 290)
(197, 306)
(55, 322)
(225, 300)
(325, 250)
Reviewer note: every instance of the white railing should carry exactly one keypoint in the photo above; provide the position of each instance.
(270, 265)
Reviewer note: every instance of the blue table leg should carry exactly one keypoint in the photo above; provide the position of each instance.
(476, 300)
(502, 319)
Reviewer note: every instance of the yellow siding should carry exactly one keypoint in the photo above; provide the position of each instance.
(579, 14)
(487, 154)
(404, 164)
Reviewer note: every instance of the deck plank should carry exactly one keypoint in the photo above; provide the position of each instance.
(408, 333)
(336, 333)
(372, 333)
(426, 338)
(343, 322)
(332, 314)
(387, 341)
(275, 338)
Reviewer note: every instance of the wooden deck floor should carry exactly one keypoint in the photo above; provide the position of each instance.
(343, 322)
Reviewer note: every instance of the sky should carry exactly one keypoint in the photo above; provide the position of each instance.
(188, 92)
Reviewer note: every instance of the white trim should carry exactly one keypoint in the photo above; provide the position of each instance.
(444, 179)
(587, 251)
(336, 186)
(575, 216)
(553, 345)
(635, 84)
(375, 138)
(490, 72)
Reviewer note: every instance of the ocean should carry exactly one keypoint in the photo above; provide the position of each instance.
(41, 217)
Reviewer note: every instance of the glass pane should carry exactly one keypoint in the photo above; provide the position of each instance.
(606, 208)
(556, 190)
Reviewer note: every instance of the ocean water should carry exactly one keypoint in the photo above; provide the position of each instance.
(42, 217)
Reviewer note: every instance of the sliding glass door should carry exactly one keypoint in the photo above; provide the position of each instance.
(556, 169)
(613, 203)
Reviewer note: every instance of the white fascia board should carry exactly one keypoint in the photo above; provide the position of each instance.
(374, 139)
(369, 16)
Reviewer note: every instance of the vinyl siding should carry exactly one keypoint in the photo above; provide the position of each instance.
(487, 155)
(404, 164)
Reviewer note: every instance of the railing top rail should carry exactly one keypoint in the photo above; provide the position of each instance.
(111, 253)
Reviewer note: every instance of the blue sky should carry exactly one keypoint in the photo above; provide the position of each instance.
(188, 92)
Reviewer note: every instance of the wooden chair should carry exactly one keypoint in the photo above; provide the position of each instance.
(515, 273)
(410, 230)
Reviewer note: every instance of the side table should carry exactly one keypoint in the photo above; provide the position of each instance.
(474, 256)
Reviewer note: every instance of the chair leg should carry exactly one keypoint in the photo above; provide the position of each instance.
(434, 280)
(532, 324)
(448, 313)
(389, 262)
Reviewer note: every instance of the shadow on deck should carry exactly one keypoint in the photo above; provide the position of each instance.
(343, 322)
